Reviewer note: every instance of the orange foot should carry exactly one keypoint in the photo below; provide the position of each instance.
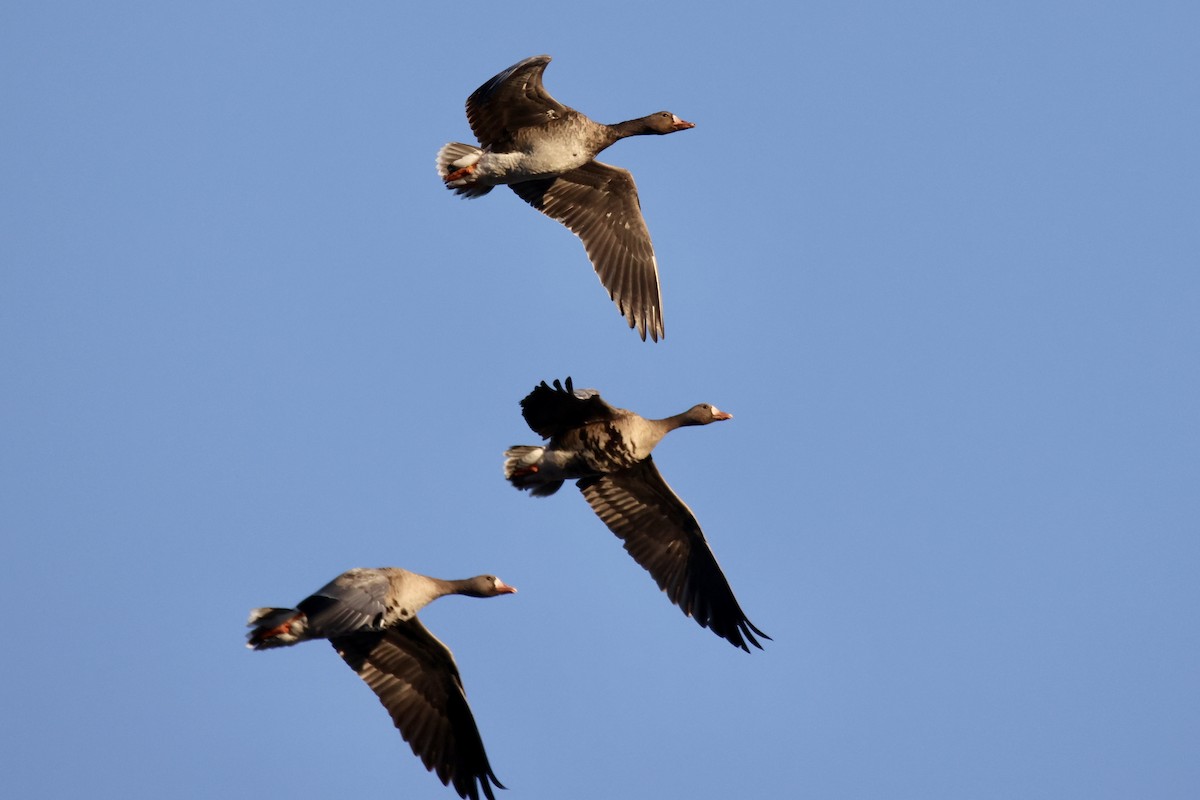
(278, 630)
(523, 471)
(459, 174)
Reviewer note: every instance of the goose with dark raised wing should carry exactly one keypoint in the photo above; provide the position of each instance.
(370, 618)
(606, 450)
(545, 152)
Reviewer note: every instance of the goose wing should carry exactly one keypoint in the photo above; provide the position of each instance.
(599, 204)
(415, 678)
(662, 535)
(553, 411)
(512, 100)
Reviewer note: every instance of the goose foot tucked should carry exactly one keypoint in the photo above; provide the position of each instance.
(279, 630)
(460, 174)
(458, 166)
(280, 634)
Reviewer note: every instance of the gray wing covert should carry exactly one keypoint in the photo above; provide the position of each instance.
(353, 601)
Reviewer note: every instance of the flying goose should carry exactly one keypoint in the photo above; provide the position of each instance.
(606, 450)
(545, 152)
(369, 616)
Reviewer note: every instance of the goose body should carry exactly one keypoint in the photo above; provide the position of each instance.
(370, 618)
(545, 151)
(607, 451)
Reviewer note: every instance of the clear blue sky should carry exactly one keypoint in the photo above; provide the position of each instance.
(940, 260)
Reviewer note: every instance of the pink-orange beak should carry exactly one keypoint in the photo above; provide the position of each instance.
(678, 124)
(504, 588)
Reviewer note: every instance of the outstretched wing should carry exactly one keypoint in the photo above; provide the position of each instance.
(662, 535)
(599, 204)
(416, 679)
(553, 411)
(512, 100)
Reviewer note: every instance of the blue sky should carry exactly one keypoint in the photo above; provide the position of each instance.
(940, 260)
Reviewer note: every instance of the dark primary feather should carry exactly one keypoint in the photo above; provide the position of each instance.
(417, 681)
(554, 411)
(662, 535)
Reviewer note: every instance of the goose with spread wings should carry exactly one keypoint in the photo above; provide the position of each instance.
(370, 618)
(606, 450)
(545, 151)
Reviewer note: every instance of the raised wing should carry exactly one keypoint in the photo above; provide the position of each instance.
(662, 535)
(553, 411)
(512, 100)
